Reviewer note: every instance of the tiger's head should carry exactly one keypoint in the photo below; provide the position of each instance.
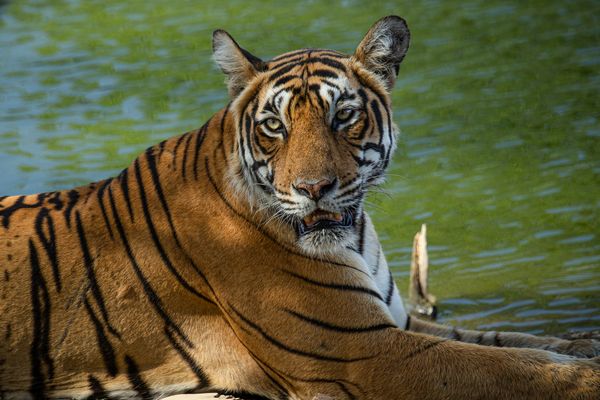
(314, 130)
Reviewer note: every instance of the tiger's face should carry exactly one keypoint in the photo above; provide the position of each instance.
(315, 130)
(312, 141)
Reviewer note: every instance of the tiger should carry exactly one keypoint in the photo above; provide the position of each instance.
(238, 258)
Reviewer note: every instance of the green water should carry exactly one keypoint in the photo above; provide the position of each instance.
(498, 103)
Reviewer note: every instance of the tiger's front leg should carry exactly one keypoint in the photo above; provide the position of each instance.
(586, 348)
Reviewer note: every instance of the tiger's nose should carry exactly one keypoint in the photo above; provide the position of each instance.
(315, 190)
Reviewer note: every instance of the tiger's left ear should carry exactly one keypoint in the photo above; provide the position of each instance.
(239, 65)
(382, 49)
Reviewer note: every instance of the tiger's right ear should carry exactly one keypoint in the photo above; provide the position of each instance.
(239, 65)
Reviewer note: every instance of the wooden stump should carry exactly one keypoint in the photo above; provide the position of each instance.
(421, 302)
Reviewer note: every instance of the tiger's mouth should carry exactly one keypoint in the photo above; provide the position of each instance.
(322, 219)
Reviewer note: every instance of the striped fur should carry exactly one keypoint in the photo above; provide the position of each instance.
(187, 271)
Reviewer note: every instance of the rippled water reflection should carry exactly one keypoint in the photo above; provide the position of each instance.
(498, 104)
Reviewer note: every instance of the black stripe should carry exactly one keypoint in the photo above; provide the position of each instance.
(186, 146)
(73, 196)
(177, 144)
(497, 342)
(248, 130)
(456, 334)
(329, 62)
(361, 236)
(242, 147)
(390, 291)
(98, 391)
(331, 53)
(375, 147)
(290, 349)
(336, 381)
(234, 394)
(479, 338)
(159, 247)
(275, 66)
(200, 135)
(203, 380)
(100, 194)
(55, 199)
(347, 391)
(40, 344)
(18, 205)
(291, 103)
(324, 73)
(48, 242)
(124, 181)
(282, 200)
(91, 275)
(408, 321)
(284, 79)
(262, 148)
(423, 348)
(148, 290)
(135, 379)
(386, 161)
(157, 186)
(161, 147)
(290, 54)
(359, 161)
(336, 286)
(339, 328)
(327, 82)
(316, 88)
(106, 349)
(282, 71)
(378, 118)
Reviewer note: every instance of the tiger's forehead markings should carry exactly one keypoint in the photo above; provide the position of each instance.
(284, 64)
(316, 77)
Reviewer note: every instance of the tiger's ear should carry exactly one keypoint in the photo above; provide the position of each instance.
(239, 65)
(383, 48)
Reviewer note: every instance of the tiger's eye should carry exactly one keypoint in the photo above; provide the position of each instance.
(344, 114)
(273, 124)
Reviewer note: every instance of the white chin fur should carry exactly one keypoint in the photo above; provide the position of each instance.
(327, 241)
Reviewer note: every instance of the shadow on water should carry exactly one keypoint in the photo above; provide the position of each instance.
(497, 101)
